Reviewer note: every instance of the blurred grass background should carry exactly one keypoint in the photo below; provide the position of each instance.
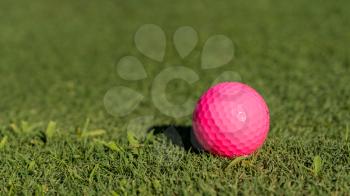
(57, 62)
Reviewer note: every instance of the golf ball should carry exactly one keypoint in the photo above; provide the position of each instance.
(231, 119)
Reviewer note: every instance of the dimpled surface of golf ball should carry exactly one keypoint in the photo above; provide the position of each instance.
(231, 119)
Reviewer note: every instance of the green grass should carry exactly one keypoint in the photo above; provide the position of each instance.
(57, 62)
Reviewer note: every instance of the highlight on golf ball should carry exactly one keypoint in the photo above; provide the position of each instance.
(231, 119)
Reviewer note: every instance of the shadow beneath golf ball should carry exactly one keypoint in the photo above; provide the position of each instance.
(181, 136)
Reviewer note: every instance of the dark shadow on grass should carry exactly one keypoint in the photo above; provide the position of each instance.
(181, 136)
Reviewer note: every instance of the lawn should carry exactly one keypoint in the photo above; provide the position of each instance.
(58, 59)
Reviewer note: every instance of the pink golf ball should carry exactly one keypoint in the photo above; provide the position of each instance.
(231, 119)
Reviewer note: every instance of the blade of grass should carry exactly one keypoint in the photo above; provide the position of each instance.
(86, 125)
(93, 133)
(15, 128)
(93, 172)
(3, 142)
(132, 140)
(51, 129)
(110, 145)
(317, 165)
(235, 162)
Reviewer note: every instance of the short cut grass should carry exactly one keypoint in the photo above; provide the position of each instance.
(57, 62)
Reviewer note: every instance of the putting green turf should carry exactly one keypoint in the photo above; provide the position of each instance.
(57, 62)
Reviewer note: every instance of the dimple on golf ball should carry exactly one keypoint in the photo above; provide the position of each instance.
(231, 119)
